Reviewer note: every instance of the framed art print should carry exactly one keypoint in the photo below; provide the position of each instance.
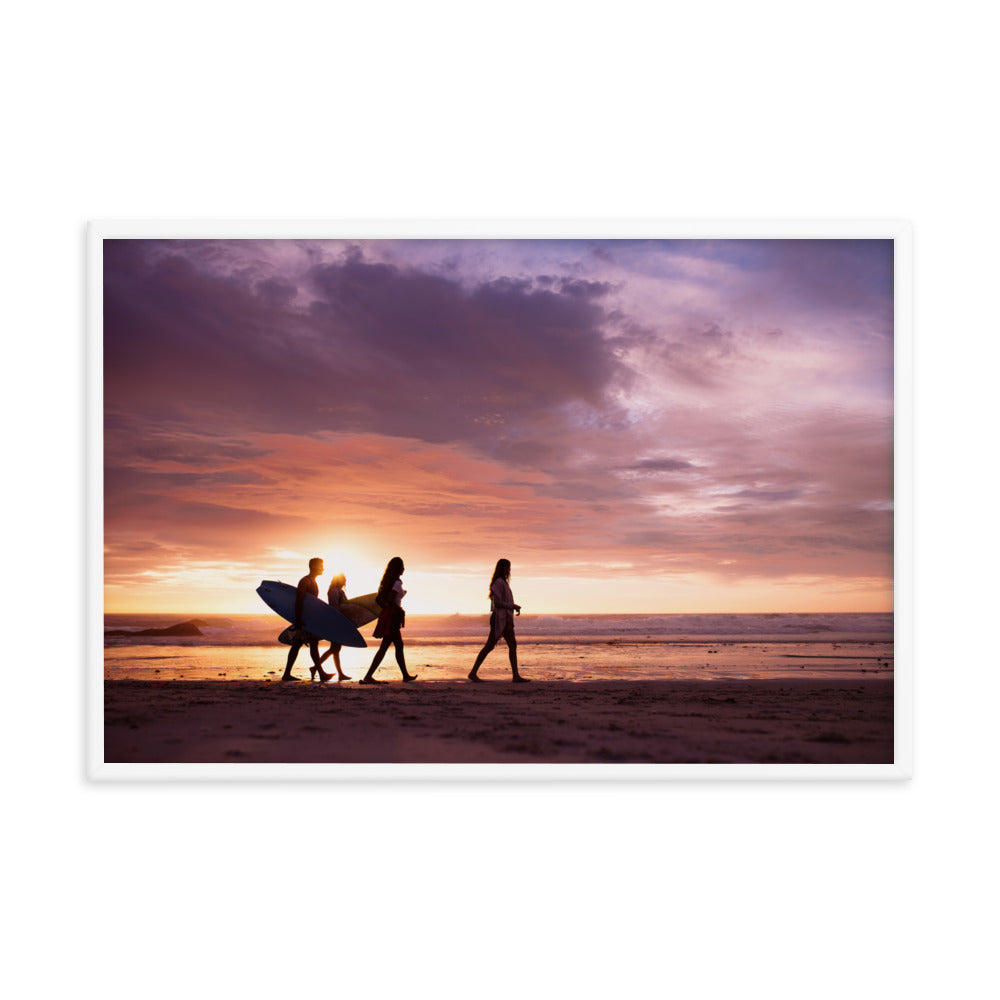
(498, 500)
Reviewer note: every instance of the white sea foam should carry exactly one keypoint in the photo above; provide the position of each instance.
(262, 630)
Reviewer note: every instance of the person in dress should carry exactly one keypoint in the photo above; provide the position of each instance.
(335, 596)
(502, 612)
(390, 621)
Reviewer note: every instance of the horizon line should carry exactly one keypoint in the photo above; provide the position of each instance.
(474, 614)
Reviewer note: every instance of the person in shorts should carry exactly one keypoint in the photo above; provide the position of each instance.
(300, 637)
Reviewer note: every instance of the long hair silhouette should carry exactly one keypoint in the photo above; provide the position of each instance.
(502, 572)
(393, 571)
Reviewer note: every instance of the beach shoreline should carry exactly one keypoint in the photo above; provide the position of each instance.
(772, 721)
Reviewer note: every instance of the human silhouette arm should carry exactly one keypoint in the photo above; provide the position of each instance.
(503, 599)
(300, 596)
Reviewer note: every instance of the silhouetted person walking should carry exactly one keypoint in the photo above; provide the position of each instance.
(335, 596)
(390, 621)
(307, 585)
(502, 612)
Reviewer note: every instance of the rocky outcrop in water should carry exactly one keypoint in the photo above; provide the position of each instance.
(181, 629)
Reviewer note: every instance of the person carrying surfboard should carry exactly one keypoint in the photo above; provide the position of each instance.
(335, 596)
(502, 612)
(300, 637)
(390, 621)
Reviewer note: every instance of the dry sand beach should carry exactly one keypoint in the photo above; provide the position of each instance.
(787, 720)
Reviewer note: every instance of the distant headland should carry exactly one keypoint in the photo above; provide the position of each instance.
(190, 627)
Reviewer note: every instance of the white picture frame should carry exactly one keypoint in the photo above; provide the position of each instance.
(898, 231)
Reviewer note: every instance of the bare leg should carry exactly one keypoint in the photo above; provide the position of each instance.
(314, 653)
(512, 656)
(341, 676)
(334, 651)
(369, 678)
(292, 653)
(483, 653)
(400, 659)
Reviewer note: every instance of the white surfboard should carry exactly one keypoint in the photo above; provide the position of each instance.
(317, 616)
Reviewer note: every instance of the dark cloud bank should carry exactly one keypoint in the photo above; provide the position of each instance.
(526, 372)
(377, 349)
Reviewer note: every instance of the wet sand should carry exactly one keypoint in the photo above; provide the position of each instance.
(784, 721)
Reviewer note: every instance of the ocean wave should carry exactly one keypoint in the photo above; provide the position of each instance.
(263, 630)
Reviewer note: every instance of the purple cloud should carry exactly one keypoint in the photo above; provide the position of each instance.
(691, 406)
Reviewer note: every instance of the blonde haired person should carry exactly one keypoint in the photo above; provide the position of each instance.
(335, 596)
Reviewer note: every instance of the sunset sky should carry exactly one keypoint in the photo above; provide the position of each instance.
(637, 425)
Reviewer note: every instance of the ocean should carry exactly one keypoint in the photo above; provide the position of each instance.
(550, 647)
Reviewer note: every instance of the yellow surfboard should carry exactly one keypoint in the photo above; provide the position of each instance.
(360, 610)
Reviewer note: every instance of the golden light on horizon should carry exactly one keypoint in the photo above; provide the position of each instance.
(455, 589)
